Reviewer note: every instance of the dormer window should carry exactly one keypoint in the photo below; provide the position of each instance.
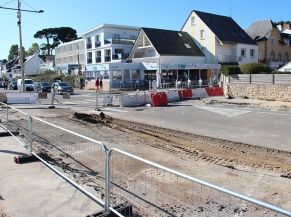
(193, 21)
(187, 46)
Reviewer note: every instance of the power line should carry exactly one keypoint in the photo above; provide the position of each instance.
(28, 5)
(7, 3)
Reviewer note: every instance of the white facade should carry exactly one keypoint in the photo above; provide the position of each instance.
(108, 43)
(215, 50)
(286, 68)
(69, 55)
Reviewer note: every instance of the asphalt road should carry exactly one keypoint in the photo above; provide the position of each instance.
(244, 124)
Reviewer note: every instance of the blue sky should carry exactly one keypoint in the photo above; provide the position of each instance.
(86, 14)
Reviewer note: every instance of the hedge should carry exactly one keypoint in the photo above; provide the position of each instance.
(230, 69)
(254, 68)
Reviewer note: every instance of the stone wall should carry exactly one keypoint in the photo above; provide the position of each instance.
(259, 91)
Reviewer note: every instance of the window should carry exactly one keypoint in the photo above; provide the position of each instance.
(243, 52)
(179, 34)
(116, 75)
(118, 54)
(132, 37)
(116, 36)
(98, 56)
(107, 55)
(193, 21)
(89, 43)
(273, 41)
(187, 46)
(89, 57)
(97, 41)
(252, 53)
(202, 34)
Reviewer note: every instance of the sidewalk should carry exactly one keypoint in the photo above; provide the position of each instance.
(34, 190)
(264, 104)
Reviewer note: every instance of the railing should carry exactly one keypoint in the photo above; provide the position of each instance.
(98, 59)
(97, 44)
(259, 79)
(227, 58)
(152, 189)
(107, 58)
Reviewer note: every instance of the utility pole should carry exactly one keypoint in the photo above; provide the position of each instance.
(21, 56)
(20, 46)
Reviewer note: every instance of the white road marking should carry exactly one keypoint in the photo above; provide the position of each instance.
(224, 111)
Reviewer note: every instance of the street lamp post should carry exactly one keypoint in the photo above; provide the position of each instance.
(20, 37)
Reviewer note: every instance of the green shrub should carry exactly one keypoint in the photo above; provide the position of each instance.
(254, 68)
(230, 69)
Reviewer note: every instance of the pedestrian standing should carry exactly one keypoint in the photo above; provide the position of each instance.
(101, 85)
(5, 84)
(97, 83)
(54, 90)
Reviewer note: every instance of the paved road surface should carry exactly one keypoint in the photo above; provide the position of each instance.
(244, 124)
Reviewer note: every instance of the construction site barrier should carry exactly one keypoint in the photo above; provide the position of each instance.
(173, 95)
(214, 91)
(199, 93)
(159, 99)
(107, 100)
(185, 94)
(22, 98)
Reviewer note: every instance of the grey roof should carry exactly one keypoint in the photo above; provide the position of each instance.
(169, 42)
(261, 30)
(225, 28)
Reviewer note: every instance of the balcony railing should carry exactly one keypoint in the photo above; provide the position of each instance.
(89, 61)
(228, 58)
(107, 58)
(97, 44)
(89, 46)
(119, 56)
(98, 59)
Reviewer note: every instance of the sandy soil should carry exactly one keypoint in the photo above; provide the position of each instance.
(254, 171)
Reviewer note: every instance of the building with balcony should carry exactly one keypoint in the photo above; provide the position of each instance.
(274, 42)
(70, 57)
(221, 39)
(107, 43)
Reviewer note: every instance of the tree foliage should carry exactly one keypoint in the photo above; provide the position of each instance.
(55, 36)
(33, 49)
(14, 52)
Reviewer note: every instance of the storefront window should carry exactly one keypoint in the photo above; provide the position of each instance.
(135, 74)
(126, 75)
(116, 75)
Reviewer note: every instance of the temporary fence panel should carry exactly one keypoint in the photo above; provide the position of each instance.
(22, 98)
(154, 190)
(141, 98)
(214, 91)
(42, 95)
(199, 93)
(107, 100)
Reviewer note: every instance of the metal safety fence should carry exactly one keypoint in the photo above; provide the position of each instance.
(111, 177)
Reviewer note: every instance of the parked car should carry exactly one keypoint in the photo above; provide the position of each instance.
(29, 86)
(13, 85)
(64, 87)
(37, 86)
(45, 86)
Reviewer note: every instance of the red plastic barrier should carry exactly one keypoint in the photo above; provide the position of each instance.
(214, 91)
(159, 99)
(185, 94)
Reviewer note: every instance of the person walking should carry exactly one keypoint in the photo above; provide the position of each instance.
(101, 85)
(54, 90)
(5, 84)
(97, 83)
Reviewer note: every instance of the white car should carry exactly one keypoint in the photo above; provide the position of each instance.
(29, 86)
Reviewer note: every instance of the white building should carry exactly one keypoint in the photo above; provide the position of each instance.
(32, 66)
(221, 39)
(169, 56)
(69, 56)
(105, 44)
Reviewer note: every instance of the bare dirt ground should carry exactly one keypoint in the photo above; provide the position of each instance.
(258, 172)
